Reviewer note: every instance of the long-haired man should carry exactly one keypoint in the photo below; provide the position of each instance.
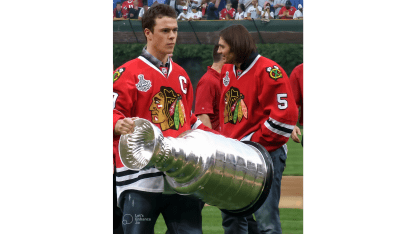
(257, 104)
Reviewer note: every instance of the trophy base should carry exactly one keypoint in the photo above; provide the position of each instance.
(250, 209)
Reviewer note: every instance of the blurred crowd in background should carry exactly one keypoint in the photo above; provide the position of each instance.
(263, 10)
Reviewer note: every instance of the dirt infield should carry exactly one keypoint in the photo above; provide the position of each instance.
(292, 192)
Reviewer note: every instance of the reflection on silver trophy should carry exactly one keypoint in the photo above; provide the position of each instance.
(231, 175)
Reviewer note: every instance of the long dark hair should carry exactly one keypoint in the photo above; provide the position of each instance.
(240, 41)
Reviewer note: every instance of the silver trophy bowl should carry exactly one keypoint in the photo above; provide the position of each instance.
(234, 176)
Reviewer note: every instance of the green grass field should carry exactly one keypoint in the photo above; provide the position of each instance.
(292, 221)
(294, 162)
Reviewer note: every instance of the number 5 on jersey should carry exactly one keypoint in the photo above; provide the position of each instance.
(282, 102)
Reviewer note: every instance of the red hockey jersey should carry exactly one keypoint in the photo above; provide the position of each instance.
(207, 96)
(259, 101)
(162, 96)
(296, 82)
(140, 89)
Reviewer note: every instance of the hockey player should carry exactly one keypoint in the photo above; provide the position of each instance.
(155, 88)
(257, 104)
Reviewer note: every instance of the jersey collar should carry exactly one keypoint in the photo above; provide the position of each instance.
(249, 61)
(248, 64)
(217, 74)
(155, 63)
(153, 59)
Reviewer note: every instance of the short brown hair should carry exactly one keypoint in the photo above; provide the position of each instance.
(156, 11)
(215, 56)
(240, 41)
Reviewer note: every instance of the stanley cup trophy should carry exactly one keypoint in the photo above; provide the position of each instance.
(234, 176)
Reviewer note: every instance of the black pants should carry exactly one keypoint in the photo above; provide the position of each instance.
(182, 214)
(117, 214)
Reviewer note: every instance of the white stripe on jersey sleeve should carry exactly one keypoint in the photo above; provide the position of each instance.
(282, 133)
(133, 175)
(196, 124)
(282, 124)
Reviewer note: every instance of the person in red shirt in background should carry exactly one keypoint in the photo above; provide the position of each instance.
(134, 12)
(296, 82)
(228, 12)
(208, 92)
(129, 4)
(287, 11)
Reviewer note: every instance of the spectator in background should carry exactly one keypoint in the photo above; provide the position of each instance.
(134, 12)
(287, 11)
(203, 9)
(180, 4)
(267, 13)
(221, 6)
(299, 13)
(234, 4)
(228, 12)
(125, 8)
(244, 2)
(151, 2)
(253, 11)
(208, 93)
(212, 10)
(277, 5)
(117, 11)
(142, 11)
(296, 2)
(262, 3)
(240, 12)
(195, 3)
(184, 14)
(296, 83)
(195, 14)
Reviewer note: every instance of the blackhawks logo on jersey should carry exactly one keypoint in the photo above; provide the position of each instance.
(235, 107)
(118, 73)
(167, 109)
(274, 72)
